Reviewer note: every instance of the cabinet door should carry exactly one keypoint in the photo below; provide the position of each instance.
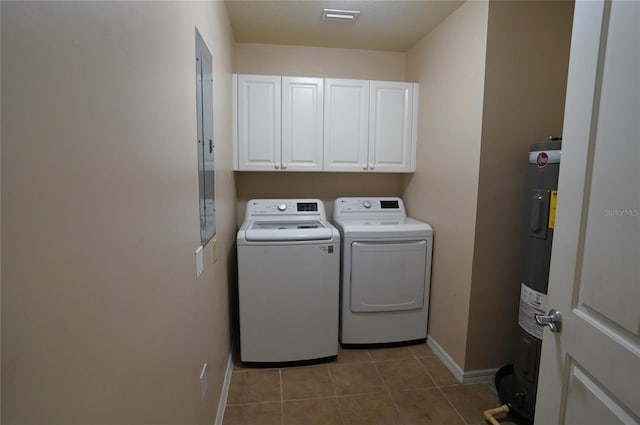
(259, 115)
(391, 127)
(346, 125)
(302, 112)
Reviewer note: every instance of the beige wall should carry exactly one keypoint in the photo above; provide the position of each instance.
(478, 114)
(324, 186)
(525, 84)
(316, 62)
(103, 320)
(449, 65)
(304, 61)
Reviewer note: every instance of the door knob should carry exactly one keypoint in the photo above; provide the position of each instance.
(553, 320)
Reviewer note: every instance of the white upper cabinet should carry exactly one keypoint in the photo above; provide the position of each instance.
(346, 125)
(369, 126)
(311, 124)
(259, 119)
(302, 116)
(391, 118)
(279, 123)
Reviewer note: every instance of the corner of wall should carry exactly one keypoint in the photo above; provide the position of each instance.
(525, 83)
(219, 38)
(449, 65)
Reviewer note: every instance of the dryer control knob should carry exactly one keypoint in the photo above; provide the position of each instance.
(367, 204)
(282, 207)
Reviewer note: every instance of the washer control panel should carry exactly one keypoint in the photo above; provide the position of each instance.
(289, 207)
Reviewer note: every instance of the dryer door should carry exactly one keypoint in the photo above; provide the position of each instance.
(388, 276)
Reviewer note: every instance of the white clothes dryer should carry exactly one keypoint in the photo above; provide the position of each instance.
(288, 282)
(386, 270)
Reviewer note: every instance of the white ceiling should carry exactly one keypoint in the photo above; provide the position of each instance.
(392, 25)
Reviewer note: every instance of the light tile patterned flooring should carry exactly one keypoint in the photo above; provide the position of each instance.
(387, 386)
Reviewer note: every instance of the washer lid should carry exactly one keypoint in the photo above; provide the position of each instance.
(294, 230)
(386, 228)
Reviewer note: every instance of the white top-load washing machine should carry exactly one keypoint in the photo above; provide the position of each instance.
(288, 282)
(386, 269)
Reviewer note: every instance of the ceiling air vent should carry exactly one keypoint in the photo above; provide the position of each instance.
(340, 15)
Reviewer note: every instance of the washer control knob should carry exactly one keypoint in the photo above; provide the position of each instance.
(282, 207)
(366, 204)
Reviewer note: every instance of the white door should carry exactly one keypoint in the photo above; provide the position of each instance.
(302, 123)
(346, 125)
(259, 120)
(390, 126)
(590, 370)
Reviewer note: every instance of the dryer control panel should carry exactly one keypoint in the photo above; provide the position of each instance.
(347, 206)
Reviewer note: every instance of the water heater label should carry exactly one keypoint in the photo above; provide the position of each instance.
(552, 208)
(532, 302)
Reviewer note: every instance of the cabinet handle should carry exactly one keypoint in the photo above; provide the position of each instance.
(284, 165)
(371, 166)
(276, 165)
(364, 166)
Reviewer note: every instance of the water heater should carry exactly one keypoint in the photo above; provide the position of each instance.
(517, 384)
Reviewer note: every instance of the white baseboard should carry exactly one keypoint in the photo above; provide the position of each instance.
(480, 375)
(222, 403)
(440, 353)
(468, 377)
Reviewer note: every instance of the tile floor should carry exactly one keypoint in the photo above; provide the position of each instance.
(388, 386)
